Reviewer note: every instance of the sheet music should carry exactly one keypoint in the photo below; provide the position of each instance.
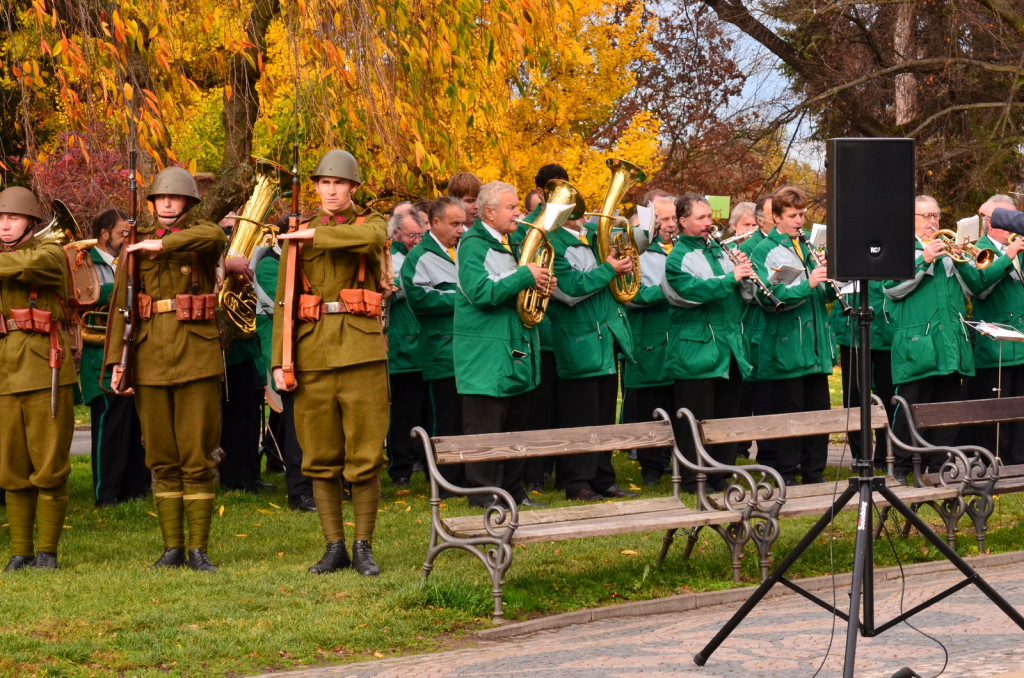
(785, 274)
(996, 331)
(968, 230)
(646, 217)
(817, 238)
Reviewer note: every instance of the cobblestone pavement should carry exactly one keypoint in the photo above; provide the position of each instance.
(784, 636)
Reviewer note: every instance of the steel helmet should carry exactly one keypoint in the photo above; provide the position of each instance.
(338, 164)
(19, 200)
(174, 181)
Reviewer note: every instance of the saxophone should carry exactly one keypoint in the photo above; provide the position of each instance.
(237, 298)
(624, 174)
(562, 202)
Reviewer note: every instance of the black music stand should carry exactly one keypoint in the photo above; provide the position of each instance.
(865, 485)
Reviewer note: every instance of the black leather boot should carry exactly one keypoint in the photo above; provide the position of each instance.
(46, 561)
(172, 557)
(362, 559)
(335, 558)
(18, 562)
(199, 561)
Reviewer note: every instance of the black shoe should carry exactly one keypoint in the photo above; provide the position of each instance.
(652, 478)
(106, 503)
(813, 480)
(303, 503)
(265, 484)
(46, 561)
(586, 494)
(615, 492)
(199, 561)
(18, 562)
(335, 558)
(400, 482)
(530, 503)
(534, 487)
(172, 557)
(481, 500)
(362, 559)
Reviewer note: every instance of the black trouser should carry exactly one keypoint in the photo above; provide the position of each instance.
(882, 386)
(587, 402)
(762, 403)
(641, 405)
(240, 431)
(118, 458)
(409, 408)
(707, 399)
(806, 454)
(986, 384)
(938, 389)
(299, 485)
(484, 414)
(543, 401)
(446, 403)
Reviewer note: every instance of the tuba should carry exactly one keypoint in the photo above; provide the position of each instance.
(624, 175)
(237, 298)
(561, 203)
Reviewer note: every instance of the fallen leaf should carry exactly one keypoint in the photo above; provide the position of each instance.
(402, 493)
(264, 512)
(350, 524)
(280, 554)
(378, 655)
(273, 504)
(628, 553)
(403, 502)
(241, 535)
(149, 512)
(221, 511)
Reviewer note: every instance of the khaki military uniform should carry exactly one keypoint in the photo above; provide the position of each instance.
(34, 447)
(341, 402)
(177, 371)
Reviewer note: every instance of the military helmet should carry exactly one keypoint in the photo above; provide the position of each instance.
(338, 164)
(19, 200)
(174, 181)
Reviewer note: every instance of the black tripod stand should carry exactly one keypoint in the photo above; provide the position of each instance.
(864, 484)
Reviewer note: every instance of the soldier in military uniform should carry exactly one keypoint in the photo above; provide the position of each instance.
(35, 442)
(341, 389)
(177, 363)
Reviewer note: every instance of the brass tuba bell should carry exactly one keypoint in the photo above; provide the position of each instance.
(62, 229)
(237, 298)
(562, 202)
(624, 175)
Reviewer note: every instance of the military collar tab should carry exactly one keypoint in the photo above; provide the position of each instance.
(161, 232)
(336, 218)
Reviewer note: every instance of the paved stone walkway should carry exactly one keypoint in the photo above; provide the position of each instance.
(785, 636)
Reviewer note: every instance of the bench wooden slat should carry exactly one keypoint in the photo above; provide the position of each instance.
(964, 412)
(814, 506)
(599, 525)
(498, 446)
(740, 429)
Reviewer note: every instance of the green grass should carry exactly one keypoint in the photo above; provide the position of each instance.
(106, 614)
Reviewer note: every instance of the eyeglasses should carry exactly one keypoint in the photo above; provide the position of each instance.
(411, 236)
(927, 216)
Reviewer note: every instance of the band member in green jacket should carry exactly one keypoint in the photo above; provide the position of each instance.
(931, 351)
(796, 352)
(999, 365)
(178, 362)
(588, 329)
(36, 401)
(707, 356)
(341, 390)
(497, 359)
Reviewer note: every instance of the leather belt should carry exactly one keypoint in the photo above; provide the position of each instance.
(12, 325)
(165, 306)
(334, 307)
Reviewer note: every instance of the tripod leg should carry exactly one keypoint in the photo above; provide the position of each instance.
(701, 657)
(861, 559)
(953, 557)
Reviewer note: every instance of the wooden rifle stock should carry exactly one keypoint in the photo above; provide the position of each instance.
(123, 375)
(291, 272)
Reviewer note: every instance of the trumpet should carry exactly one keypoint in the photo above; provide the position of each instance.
(562, 202)
(964, 252)
(777, 305)
(818, 254)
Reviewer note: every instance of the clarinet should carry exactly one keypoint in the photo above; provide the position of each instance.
(843, 303)
(777, 305)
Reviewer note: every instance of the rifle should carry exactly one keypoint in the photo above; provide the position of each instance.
(122, 376)
(291, 273)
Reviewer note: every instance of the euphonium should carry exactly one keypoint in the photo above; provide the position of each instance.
(964, 252)
(237, 297)
(624, 174)
(62, 229)
(561, 203)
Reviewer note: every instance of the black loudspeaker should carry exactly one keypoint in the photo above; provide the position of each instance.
(870, 204)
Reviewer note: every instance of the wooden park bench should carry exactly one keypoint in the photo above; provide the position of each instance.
(975, 472)
(801, 500)
(491, 536)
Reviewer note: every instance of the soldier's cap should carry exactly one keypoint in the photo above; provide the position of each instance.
(20, 200)
(174, 181)
(338, 164)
